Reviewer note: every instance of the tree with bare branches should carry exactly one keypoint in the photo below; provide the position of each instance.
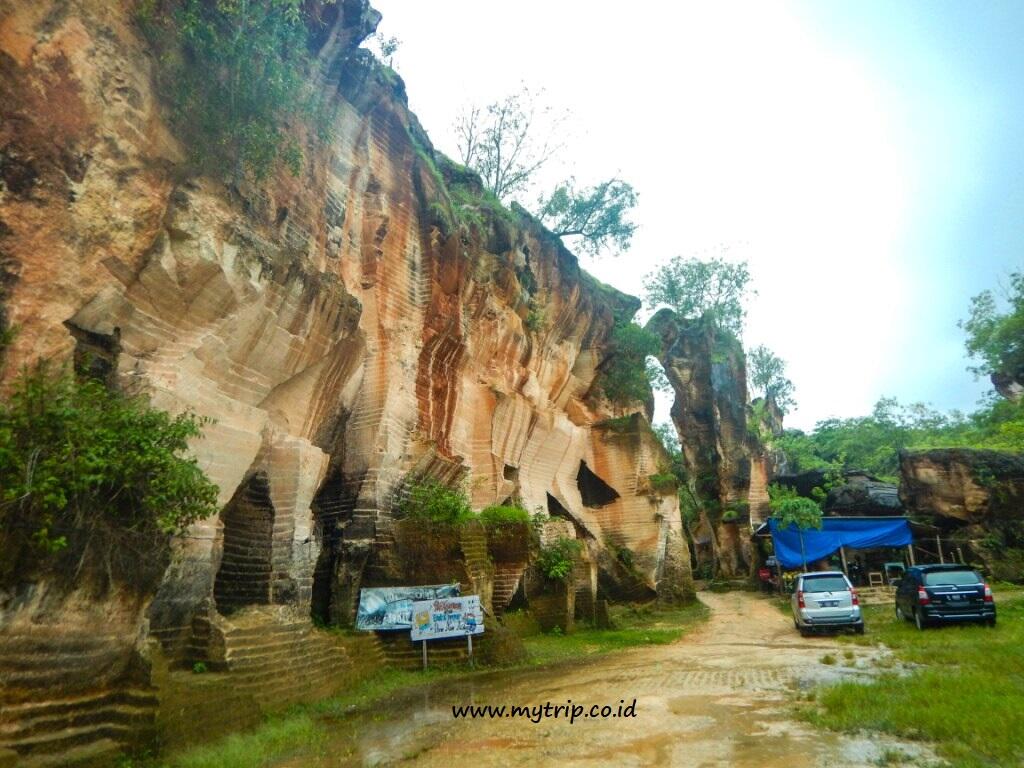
(501, 142)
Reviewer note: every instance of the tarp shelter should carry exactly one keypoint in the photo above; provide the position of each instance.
(836, 532)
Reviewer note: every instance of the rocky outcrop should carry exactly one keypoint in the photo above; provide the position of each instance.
(974, 497)
(728, 466)
(342, 334)
(1009, 385)
(862, 494)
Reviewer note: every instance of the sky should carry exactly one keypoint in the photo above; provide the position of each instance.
(864, 158)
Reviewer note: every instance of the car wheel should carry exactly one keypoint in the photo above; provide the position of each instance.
(991, 622)
(919, 620)
(859, 629)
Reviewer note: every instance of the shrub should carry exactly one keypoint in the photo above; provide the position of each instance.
(557, 559)
(626, 375)
(233, 73)
(663, 482)
(434, 502)
(496, 515)
(85, 471)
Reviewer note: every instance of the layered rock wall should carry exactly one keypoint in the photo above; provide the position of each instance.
(341, 338)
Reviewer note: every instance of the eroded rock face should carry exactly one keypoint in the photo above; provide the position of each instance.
(341, 338)
(974, 496)
(729, 468)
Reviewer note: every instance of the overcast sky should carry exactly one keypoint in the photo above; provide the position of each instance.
(865, 158)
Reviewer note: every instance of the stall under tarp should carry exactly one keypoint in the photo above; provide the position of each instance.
(836, 532)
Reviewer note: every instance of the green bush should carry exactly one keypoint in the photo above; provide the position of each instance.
(87, 471)
(434, 502)
(233, 74)
(626, 374)
(557, 559)
(663, 482)
(496, 515)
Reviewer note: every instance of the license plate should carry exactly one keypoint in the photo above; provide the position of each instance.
(828, 603)
(956, 597)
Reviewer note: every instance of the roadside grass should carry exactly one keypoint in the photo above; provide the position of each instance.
(300, 727)
(633, 626)
(305, 727)
(965, 693)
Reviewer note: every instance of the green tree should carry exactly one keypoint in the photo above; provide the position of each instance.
(712, 290)
(234, 72)
(801, 512)
(768, 377)
(557, 559)
(595, 217)
(94, 474)
(626, 373)
(995, 330)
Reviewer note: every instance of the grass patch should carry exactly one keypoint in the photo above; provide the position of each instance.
(828, 659)
(302, 727)
(273, 740)
(633, 626)
(966, 696)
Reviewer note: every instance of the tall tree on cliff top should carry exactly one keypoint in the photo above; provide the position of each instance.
(712, 290)
(502, 142)
(594, 216)
(767, 376)
(995, 337)
(509, 141)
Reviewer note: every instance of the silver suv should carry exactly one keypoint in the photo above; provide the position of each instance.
(825, 600)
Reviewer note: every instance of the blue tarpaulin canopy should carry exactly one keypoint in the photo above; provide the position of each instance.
(836, 532)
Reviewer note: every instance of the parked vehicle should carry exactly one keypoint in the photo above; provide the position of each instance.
(825, 600)
(937, 594)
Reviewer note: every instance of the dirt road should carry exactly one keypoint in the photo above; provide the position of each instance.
(716, 698)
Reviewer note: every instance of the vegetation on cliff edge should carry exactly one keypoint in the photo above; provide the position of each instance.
(234, 75)
(91, 477)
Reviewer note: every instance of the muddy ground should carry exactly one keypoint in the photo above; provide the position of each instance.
(718, 697)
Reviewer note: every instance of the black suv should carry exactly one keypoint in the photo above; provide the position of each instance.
(934, 594)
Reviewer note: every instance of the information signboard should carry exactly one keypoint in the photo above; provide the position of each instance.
(390, 608)
(447, 617)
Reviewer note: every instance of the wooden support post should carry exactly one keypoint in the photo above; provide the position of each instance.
(910, 551)
(938, 543)
(842, 554)
(469, 644)
(424, 642)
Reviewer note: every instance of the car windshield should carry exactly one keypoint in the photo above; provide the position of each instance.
(825, 584)
(951, 578)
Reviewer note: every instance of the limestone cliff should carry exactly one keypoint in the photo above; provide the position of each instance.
(343, 334)
(729, 466)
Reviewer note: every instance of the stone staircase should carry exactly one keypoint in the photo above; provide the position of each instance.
(506, 581)
(89, 729)
(877, 595)
(401, 653)
(260, 660)
(67, 698)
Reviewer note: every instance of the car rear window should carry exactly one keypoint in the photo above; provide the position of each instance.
(951, 578)
(825, 584)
